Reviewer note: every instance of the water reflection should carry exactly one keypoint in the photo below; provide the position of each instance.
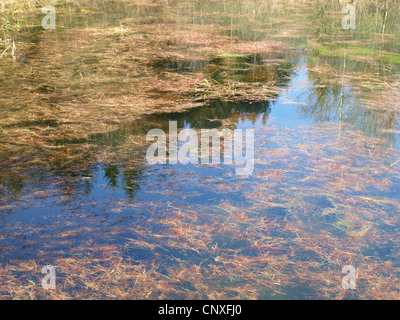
(320, 99)
(316, 174)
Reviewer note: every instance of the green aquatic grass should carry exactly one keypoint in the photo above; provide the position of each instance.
(356, 52)
(391, 58)
(235, 55)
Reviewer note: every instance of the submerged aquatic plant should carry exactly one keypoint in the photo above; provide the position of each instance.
(72, 155)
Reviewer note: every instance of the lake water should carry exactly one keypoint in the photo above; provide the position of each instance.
(77, 192)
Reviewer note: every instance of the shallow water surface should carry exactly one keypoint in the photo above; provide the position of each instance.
(77, 192)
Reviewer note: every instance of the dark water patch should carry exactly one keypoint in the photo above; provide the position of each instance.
(179, 65)
(273, 213)
(308, 255)
(52, 123)
(383, 251)
(319, 201)
(185, 285)
(298, 291)
(140, 254)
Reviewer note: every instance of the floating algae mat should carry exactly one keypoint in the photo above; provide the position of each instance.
(77, 192)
